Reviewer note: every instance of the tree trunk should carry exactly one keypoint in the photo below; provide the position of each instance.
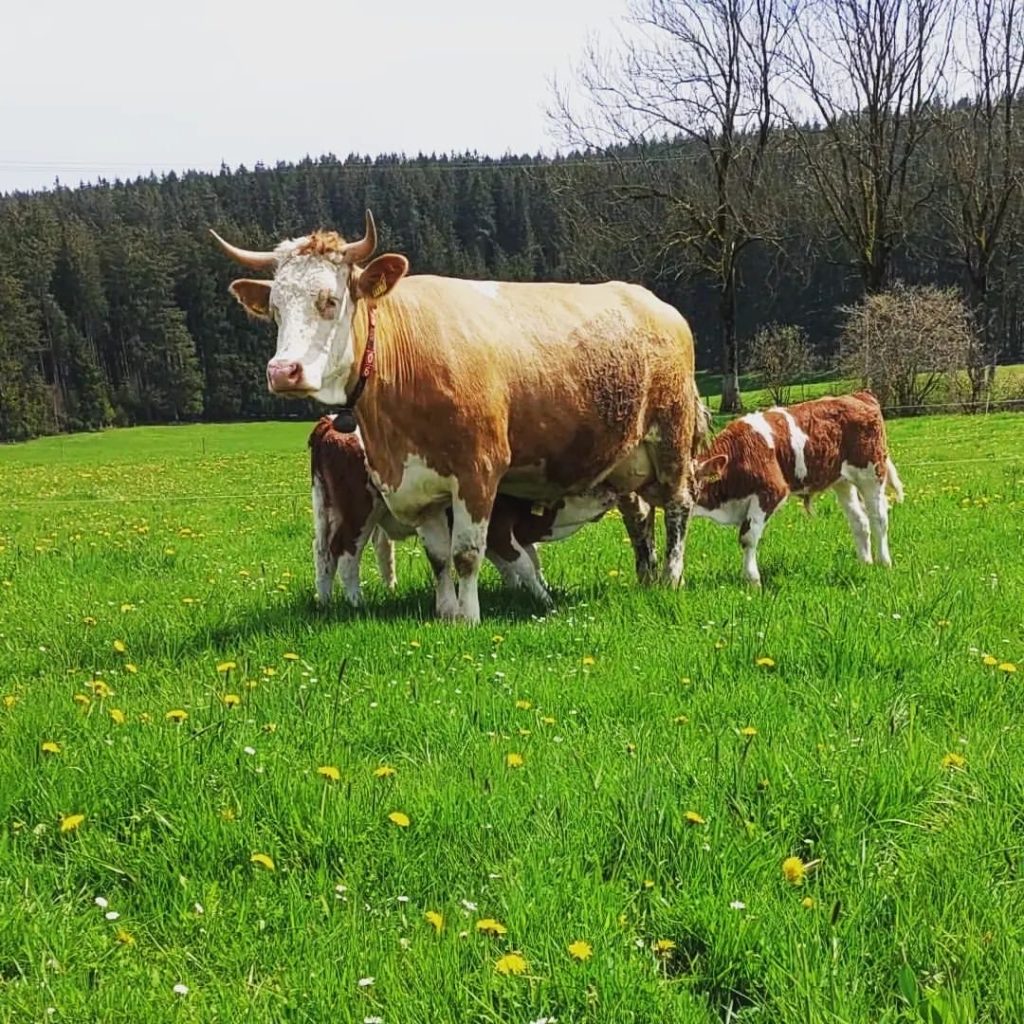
(731, 400)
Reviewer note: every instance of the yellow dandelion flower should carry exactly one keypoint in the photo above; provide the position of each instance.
(748, 732)
(127, 607)
(954, 761)
(663, 947)
(589, 659)
(117, 716)
(49, 747)
(943, 623)
(514, 760)
(399, 819)
(488, 926)
(226, 666)
(130, 667)
(581, 950)
(68, 823)
(384, 771)
(119, 646)
(807, 903)
(681, 720)
(414, 644)
(547, 720)
(328, 771)
(270, 727)
(765, 662)
(10, 700)
(88, 620)
(82, 699)
(497, 639)
(231, 700)
(124, 938)
(290, 656)
(263, 860)
(268, 672)
(693, 818)
(1007, 666)
(648, 883)
(794, 870)
(432, 917)
(145, 718)
(101, 689)
(523, 705)
(176, 715)
(511, 963)
(613, 573)
(990, 661)
(227, 814)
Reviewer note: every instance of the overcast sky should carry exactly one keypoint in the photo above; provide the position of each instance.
(119, 87)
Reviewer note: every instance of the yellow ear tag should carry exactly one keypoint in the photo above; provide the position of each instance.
(538, 510)
(380, 287)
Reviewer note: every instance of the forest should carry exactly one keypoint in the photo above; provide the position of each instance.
(113, 298)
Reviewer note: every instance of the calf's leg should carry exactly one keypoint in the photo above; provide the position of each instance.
(751, 530)
(872, 490)
(851, 505)
(325, 562)
(384, 547)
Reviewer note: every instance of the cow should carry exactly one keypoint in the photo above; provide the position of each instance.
(758, 460)
(460, 388)
(348, 511)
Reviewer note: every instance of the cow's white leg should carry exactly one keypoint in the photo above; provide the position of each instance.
(872, 490)
(325, 564)
(469, 542)
(677, 516)
(384, 547)
(524, 571)
(638, 518)
(437, 540)
(851, 505)
(751, 530)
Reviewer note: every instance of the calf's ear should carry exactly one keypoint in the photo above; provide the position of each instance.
(711, 469)
(253, 295)
(381, 276)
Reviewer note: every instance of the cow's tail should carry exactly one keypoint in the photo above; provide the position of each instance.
(892, 479)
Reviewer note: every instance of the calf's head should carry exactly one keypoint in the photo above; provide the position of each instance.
(312, 298)
(706, 472)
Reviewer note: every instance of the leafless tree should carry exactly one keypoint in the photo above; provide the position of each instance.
(705, 71)
(983, 169)
(781, 355)
(866, 74)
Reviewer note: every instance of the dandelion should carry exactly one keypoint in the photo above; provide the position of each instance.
(1007, 666)
(127, 607)
(131, 667)
(384, 771)
(648, 883)
(432, 917)
(514, 760)
(681, 720)
(329, 772)
(523, 705)
(807, 903)
(10, 700)
(119, 646)
(511, 963)
(581, 950)
(100, 689)
(176, 715)
(231, 700)
(589, 659)
(88, 620)
(663, 947)
(693, 818)
(180, 990)
(488, 926)
(989, 661)
(399, 819)
(263, 860)
(414, 644)
(226, 666)
(49, 747)
(497, 639)
(68, 823)
(794, 870)
(124, 938)
(290, 656)
(547, 720)
(954, 761)
(748, 732)
(765, 662)
(269, 672)
(117, 716)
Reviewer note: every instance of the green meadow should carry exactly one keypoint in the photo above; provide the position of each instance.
(218, 803)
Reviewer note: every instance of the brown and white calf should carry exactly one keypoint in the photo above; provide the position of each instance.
(759, 460)
(348, 511)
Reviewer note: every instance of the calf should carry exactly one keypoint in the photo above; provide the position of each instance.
(348, 510)
(757, 461)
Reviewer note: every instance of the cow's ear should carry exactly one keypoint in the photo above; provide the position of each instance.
(253, 295)
(381, 276)
(709, 470)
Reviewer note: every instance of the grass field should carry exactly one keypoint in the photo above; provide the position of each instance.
(620, 778)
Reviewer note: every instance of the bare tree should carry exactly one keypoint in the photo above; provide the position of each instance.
(704, 71)
(781, 355)
(983, 169)
(867, 73)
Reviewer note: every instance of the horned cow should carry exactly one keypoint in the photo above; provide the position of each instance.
(757, 461)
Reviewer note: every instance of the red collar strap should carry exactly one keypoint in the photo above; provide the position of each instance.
(345, 420)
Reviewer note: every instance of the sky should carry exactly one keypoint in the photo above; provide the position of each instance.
(113, 88)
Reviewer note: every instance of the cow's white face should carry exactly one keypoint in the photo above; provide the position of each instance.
(312, 304)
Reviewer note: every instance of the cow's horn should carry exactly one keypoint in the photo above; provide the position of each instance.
(247, 257)
(357, 252)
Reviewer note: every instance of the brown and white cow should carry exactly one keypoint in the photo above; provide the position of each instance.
(758, 460)
(348, 511)
(543, 390)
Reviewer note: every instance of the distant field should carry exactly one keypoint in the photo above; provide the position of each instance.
(620, 779)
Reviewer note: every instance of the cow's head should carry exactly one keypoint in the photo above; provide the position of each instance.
(707, 471)
(313, 299)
